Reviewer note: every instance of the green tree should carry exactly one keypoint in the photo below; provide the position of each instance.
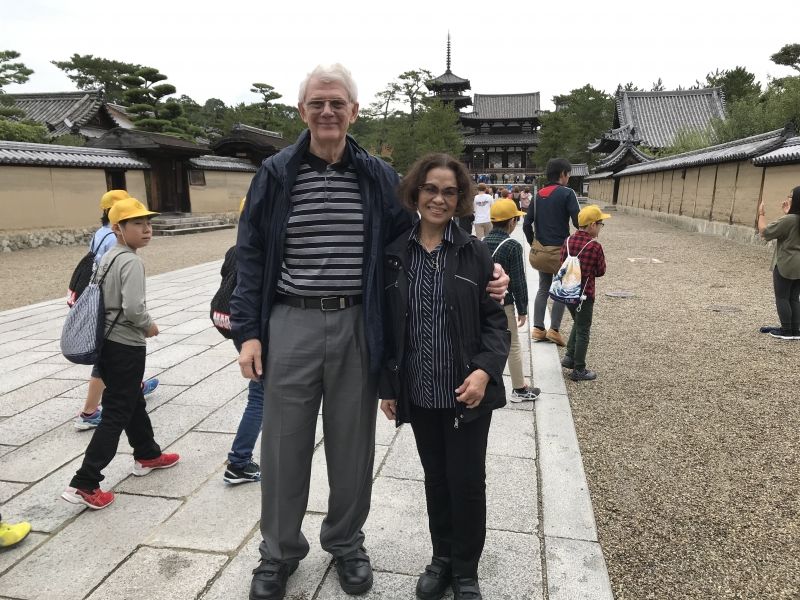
(584, 114)
(149, 107)
(412, 89)
(93, 72)
(438, 130)
(13, 125)
(658, 86)
(12, 72)
(788, 56)
(736, 83)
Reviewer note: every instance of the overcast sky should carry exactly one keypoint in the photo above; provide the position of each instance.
(217, 49)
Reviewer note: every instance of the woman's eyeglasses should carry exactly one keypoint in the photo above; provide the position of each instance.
(430, 190)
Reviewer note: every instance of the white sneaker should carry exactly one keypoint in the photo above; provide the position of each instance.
(528, 394)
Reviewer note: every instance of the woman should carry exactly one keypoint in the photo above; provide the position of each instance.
(785, 264)
(447, 344)
(524, 198)
(515, 195)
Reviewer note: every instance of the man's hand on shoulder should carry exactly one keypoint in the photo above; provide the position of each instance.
(498, 284)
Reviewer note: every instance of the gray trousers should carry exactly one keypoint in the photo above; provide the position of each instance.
(315, 355)
(540, 304)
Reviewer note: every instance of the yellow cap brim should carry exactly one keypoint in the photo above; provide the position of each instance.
(137, 214)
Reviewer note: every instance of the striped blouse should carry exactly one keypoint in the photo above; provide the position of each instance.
(430, 372)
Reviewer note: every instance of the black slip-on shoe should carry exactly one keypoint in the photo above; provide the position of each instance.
(466, 588)
(433, 583)
(269, 579)
(355, 572)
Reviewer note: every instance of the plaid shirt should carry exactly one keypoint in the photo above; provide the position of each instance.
(593, 261)
(510, 258)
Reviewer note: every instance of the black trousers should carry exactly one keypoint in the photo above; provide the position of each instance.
(787, 301)
(122, 370)
(454, 461)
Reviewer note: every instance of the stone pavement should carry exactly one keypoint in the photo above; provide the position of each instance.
(184, 534)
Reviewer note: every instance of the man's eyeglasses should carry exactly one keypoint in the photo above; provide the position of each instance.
(431, 191)
(317, 106)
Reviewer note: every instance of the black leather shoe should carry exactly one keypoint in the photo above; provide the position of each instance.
(466, 588)
(355, 572)
(433, 583)
(269, 579)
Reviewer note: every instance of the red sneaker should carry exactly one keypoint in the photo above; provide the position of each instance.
(96, 499)
(165, 461)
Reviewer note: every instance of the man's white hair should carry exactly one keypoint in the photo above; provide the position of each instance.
(337, 73)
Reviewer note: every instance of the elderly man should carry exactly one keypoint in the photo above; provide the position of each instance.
(307, 312)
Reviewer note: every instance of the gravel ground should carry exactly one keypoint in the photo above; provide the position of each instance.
(38, 274)
(690, 434)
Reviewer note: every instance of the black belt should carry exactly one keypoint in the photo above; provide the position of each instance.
(324, 303)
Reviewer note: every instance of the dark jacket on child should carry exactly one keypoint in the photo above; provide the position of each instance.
(477, 324)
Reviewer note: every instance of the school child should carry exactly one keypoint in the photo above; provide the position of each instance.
(102, 241)
(122, 360)
(508, 252)
(447, 344)
(593, 264)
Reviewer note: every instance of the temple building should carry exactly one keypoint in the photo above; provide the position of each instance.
(500, 131)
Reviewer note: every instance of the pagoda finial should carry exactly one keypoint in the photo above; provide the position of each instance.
(448, 51)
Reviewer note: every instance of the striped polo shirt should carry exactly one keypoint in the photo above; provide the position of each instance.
(430, 371)
(324, 247)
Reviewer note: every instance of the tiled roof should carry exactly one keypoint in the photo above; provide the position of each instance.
(598, 176)
(123, 139)
(51, 155)
(730, 151)
(657, 117)
(447, 78)
(579, 170)
(119, 115)
(623, 151)
(504, 106)
(502, 139)
(211, 162)
(788, 153)
(251, 129)
(60, 112)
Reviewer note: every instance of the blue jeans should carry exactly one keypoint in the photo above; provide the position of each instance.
(249, 427)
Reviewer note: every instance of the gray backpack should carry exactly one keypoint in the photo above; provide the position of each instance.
(83, 334)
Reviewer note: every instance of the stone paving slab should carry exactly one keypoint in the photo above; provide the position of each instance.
(80, 556)
(170, 575)
(206, 531)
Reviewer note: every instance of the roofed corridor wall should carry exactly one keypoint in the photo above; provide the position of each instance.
(726, 193)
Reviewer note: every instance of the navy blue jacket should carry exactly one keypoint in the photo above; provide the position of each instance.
(554, 206)
(262, 231)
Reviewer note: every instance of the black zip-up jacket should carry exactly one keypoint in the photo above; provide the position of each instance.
(478, 325)
(554, 206)
(262, 232)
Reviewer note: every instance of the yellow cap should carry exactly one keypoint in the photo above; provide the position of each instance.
(241, 205)
(503, 210)
(111, 196)
(128, 208)
(591, 214)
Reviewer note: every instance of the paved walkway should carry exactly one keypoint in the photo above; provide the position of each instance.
(184, 534)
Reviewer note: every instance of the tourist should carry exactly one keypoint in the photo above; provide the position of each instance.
(515, 196)
(546, 226)
(444, 367)
(525, 198)
(482, 204)
(102, 241)
(583, 244)
(785, 264)
(122, 360)
(508, 252)
(310, 323)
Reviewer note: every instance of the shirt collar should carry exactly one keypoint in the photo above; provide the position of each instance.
(447, 237)
(320, 164)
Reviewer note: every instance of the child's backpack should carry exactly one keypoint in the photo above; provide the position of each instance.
(83, 334)
(83, 273)
(566, 286)
(221, 302)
